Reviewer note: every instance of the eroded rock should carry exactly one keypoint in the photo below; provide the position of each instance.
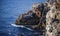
(53, 20)
(36, 16)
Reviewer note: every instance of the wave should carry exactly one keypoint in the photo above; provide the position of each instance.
(21, 26)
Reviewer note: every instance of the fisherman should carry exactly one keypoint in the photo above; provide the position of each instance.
(53, 18)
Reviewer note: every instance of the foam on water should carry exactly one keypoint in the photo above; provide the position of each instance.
(21, 26)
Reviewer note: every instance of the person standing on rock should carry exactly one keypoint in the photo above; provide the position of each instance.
(53, 19)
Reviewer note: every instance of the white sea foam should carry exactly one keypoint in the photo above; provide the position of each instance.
(21, 26)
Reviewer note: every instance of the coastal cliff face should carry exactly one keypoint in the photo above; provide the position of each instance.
(35, 16)
(53, 19)
(44, 15)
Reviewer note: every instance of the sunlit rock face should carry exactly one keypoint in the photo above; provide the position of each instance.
(53, 20)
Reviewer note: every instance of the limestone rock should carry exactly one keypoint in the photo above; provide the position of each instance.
(53, 21)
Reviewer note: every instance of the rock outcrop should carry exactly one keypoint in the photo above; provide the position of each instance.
(43, 14)
(35, 17)
(53, 20)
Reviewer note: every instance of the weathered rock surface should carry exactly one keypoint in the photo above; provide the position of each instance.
(53, 20)
(43, 14)
(36, 16)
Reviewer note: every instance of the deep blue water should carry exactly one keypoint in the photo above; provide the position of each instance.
(9, 12)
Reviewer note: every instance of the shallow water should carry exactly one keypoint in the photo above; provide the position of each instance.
(9, 11)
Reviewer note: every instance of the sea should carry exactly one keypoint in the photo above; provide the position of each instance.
(9, 12)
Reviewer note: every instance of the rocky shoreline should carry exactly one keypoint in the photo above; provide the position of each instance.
(41, 16)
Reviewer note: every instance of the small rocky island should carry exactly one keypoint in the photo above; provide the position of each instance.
(41, 16)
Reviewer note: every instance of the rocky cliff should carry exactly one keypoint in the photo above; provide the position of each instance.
(42, 15)
(53, 19)
(35, 17)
